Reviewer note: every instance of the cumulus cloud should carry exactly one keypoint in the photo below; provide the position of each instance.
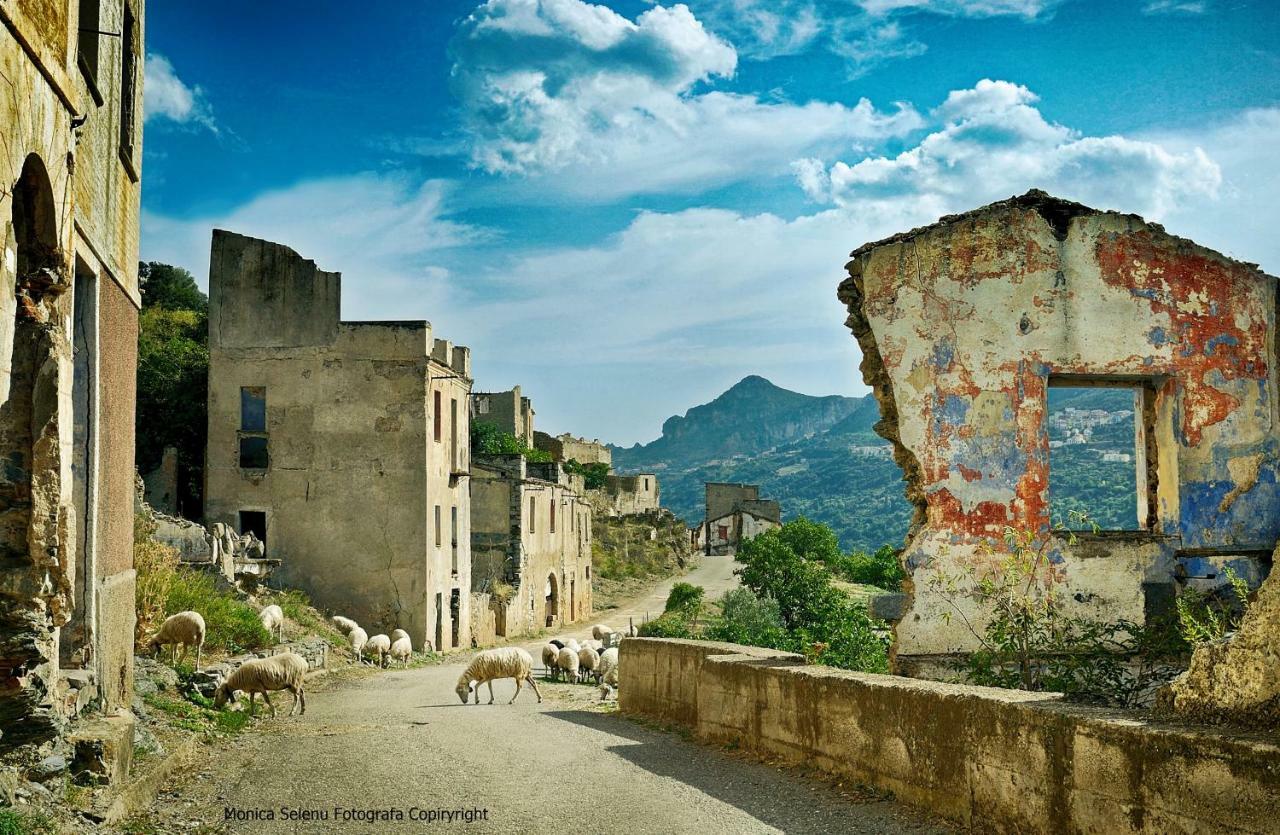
(1029, 9)
(165, 96)
(553, 85)
(993, 142)
(1176, 7)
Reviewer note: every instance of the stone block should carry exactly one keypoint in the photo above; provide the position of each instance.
(102, 750)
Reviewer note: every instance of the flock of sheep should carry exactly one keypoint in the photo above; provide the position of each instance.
(388, 648)
(596, 659)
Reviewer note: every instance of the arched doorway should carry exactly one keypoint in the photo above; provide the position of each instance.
(31, 550)
(551, 602)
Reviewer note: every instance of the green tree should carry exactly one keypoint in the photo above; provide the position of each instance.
(488, 439)
(170, 287)
(595, 475)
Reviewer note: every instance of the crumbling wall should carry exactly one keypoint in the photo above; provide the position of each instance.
(962, 326)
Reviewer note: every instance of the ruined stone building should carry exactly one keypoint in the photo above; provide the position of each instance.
(510, 411)
(629, 495)
(735, 513)
(71, 156)
(568, 448)
(530, 546)
(967, 324)
(342, 445)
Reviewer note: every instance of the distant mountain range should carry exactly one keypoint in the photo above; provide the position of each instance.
(820, 457)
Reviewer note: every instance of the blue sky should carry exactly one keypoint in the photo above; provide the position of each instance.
(625, 207)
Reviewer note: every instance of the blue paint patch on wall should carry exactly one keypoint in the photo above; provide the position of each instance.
(1221, 339)
(1252, 520)
(1158, 337)
(944, 354)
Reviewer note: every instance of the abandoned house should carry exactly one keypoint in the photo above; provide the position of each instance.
(568, 448)
(966, 326)
(530, 546)
(735, 513)
(510, 411)
(343, 446)
(72, 148)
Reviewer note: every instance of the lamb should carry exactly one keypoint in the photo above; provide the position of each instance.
(345, 625)
(503, 662)
(600, 630)
(272, 618)
(358, 638)
(381, 644)
(549, 653)
(261, 675)
(186, 628)
(567, 662)
(588, 660)
(401, 646)
(607, 672)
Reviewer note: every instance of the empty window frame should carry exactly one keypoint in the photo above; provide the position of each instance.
(453, 434)
(553, 514)
(453, 535)
(723, 532)
(128, 83)
(533, 515)
(87, 43)
(255, 522)
(254, 452)
(438, 537)
(1101, 438)
(436, 416)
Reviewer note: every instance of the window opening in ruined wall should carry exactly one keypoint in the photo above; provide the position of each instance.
(1099, 437)
(254, 522)
(436, 418)
(453, 535)
(253, 428)
(87, 44)
(128, 84)
(437, 526)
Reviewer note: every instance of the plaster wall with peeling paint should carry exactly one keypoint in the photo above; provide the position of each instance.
(358, 457)
(965, 324)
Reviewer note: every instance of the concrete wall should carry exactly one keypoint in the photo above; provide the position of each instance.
(722, 498)
(69, 223)
(355, 471)
(993, 760)
(568, 448)
(632, 495)
(508, 410)
(740, 527)
(964, 324)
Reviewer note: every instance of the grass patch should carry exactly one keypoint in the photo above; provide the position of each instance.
(298, 609)
(25, 823)
(198, 715)
(230, 623)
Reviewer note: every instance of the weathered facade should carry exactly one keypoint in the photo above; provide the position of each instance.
(510, 411)
(568, 448)
(735, 513)
(530, 546)
(342, 445)
(966, 324)
(71, 110)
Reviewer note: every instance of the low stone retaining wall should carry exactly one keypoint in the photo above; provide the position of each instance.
(998, 760)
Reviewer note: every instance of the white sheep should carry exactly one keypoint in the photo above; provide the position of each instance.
(588, 660)
(600, 630)
(598, 646)
(573, 645)
(262, 675)
(272, 618)
(358, 638)
(381, 644)
(549, 653)
(186, 628)
(401, 646)
(567, 663)
(345, 625)
(607, 672)
(503, 662)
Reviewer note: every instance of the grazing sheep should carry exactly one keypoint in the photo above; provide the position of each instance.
(600, 630)
(567, 663)
(598, 646)
(607, 672)
(401, 647)
(503, 662)
(272, 618)
(559, 645)
(345, 625)
(573, 645)
(397, 634)
(358, 638)
(262, 675)
(186, 628)
(549, 653)
(381, 644)
(588, 660)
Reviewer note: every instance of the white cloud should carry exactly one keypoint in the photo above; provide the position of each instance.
(994, 142)
(1029, 9)
(165, 96)
(552, 86)
(1176, 7)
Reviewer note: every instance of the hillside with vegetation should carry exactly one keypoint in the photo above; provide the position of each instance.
(821, 458)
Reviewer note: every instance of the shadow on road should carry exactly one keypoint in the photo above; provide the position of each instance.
(779, 799)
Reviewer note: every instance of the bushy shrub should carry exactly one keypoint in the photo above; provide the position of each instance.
(685, 598)
(595, 476)
(668, 625)
(751, 620)
(881, 569)
(230, 623)
(156, 565)
(488, 439)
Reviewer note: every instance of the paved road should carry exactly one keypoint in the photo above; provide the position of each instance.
(400, 740)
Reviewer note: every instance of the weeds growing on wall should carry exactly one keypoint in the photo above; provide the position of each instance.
(1204, 617)
(156, 565)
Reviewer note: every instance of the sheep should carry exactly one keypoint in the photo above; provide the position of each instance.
(186, 628)
(549, 653)
(607, 672)
(598, 646)
(345, 625)
(573, 645)
(600, 630)
(272, 618)
(503, 662)
(401, 646)
(588, 659)
(381, 644)
(261, 675)
(567, 662)
(559, 645)
(358, 638)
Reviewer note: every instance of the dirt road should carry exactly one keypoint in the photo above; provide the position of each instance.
(373, 754)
